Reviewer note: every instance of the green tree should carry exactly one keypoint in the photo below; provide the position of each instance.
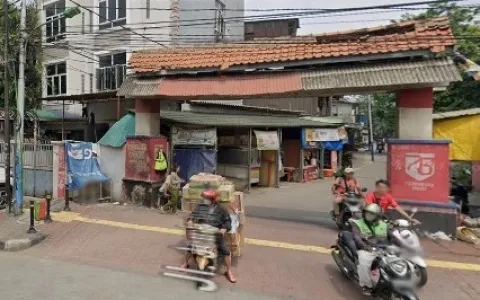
(384, 114)
(464, 94)
(34, 67)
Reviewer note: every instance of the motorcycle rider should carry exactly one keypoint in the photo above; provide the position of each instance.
(367, 232)
(385, 200)
(215, 215)
(344, 184)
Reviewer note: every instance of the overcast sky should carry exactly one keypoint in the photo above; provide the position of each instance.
(325, 23)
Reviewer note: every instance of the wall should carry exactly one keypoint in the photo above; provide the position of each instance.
(112, 164)
(203, 31)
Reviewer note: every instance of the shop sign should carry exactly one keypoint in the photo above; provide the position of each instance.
(184, 136)
(419, 172)
(321, 134)
(267, 140)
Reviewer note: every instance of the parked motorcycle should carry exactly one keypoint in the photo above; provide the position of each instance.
(459, 194)
(380, 147)
(393, 274)
(351, 207)
(406, 245)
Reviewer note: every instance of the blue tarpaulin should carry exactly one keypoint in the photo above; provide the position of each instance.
(194, 161)
(83, 167)
(333, 146)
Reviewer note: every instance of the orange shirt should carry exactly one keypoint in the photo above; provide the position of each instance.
(352, 185)
(386, 202)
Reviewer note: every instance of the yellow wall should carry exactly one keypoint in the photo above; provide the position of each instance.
(464, 132)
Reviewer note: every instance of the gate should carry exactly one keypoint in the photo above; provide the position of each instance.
(37, 167)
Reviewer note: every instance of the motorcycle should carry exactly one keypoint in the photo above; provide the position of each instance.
(351, 207)
(406, 245)
(204, 253)
(393, 275)
(380, 147)
(459, 194)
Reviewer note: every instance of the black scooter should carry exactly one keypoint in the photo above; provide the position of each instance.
(394, 279)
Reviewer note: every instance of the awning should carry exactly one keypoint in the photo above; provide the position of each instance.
(228, 86)
(259, 121)
(328, 80)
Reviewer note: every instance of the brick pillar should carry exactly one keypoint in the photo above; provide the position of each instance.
(147, 117)
(415, 108)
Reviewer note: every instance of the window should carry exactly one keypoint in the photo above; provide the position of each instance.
(56, 77)
(112, 13)
(54, 23)
(219, 20)
(112, 71)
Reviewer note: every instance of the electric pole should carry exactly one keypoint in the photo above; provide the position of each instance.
(21, 111)
(370, 127)
(7, 106)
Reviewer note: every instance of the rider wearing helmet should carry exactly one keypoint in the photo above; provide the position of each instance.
(367, 232)
(213, 214)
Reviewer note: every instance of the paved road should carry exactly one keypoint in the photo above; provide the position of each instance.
(137, 243)
(29, 278)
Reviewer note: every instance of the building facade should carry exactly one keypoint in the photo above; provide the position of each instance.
(271, 28)
(89, 52)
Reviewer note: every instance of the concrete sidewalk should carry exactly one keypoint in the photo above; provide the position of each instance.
(13, 233)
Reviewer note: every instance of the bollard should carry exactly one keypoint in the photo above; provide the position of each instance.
(32, 218)
(67, 199)
(48, 199)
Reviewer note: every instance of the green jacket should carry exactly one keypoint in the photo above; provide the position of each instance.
(379, 230)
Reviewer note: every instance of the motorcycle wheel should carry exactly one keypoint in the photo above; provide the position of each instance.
(422, 276)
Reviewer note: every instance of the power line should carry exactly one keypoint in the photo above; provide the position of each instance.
(126, 28)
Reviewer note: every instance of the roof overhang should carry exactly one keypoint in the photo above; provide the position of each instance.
(357, 78)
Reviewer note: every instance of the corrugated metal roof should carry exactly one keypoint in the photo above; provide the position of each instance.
(238, 120)
(246, 107)
(456, 114)
(432, 72)
(139, 87)
(116, 136)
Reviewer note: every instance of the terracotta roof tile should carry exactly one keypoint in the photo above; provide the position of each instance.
(432, 35)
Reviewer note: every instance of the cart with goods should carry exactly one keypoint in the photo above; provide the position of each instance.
(201, 238)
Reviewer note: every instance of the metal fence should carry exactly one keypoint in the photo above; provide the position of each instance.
(37, 167)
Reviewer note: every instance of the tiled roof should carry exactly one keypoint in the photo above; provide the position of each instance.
(224, 120)
(354, 78)
(433, 35)
(456, 114)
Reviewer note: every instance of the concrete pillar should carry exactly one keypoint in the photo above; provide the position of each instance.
(147, 117)
(415, 108)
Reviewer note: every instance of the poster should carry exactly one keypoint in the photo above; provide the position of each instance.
(267, 140)
(83, 167)
(187, 136)
(61, 173)
(321, 134)
(419, 172)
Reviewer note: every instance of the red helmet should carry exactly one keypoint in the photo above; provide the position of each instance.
(210, 194)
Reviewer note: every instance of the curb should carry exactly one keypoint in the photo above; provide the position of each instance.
(13, 245)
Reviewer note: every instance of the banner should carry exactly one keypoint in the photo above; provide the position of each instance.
(267, 140)
(82, 165)
(184, 136)
(321, 134)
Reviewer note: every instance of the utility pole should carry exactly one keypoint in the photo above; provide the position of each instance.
(21, 111)
(370, 127)
(7, 106)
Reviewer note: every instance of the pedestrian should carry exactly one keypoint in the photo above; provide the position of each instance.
(171, 186)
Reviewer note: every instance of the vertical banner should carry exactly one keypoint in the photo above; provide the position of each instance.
(62, 176)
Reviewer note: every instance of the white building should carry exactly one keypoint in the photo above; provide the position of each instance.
(89, 52)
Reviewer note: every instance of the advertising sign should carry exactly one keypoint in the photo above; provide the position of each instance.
(83, 167)
(321, 134)
(186, 136)
(267, 140)
(419, 171)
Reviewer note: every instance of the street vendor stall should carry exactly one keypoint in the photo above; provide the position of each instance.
(193, 149)
(328, 140)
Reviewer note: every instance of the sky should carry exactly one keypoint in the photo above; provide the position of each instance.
(320, 24)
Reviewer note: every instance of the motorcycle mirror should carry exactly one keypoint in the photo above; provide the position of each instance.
(364, 190)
